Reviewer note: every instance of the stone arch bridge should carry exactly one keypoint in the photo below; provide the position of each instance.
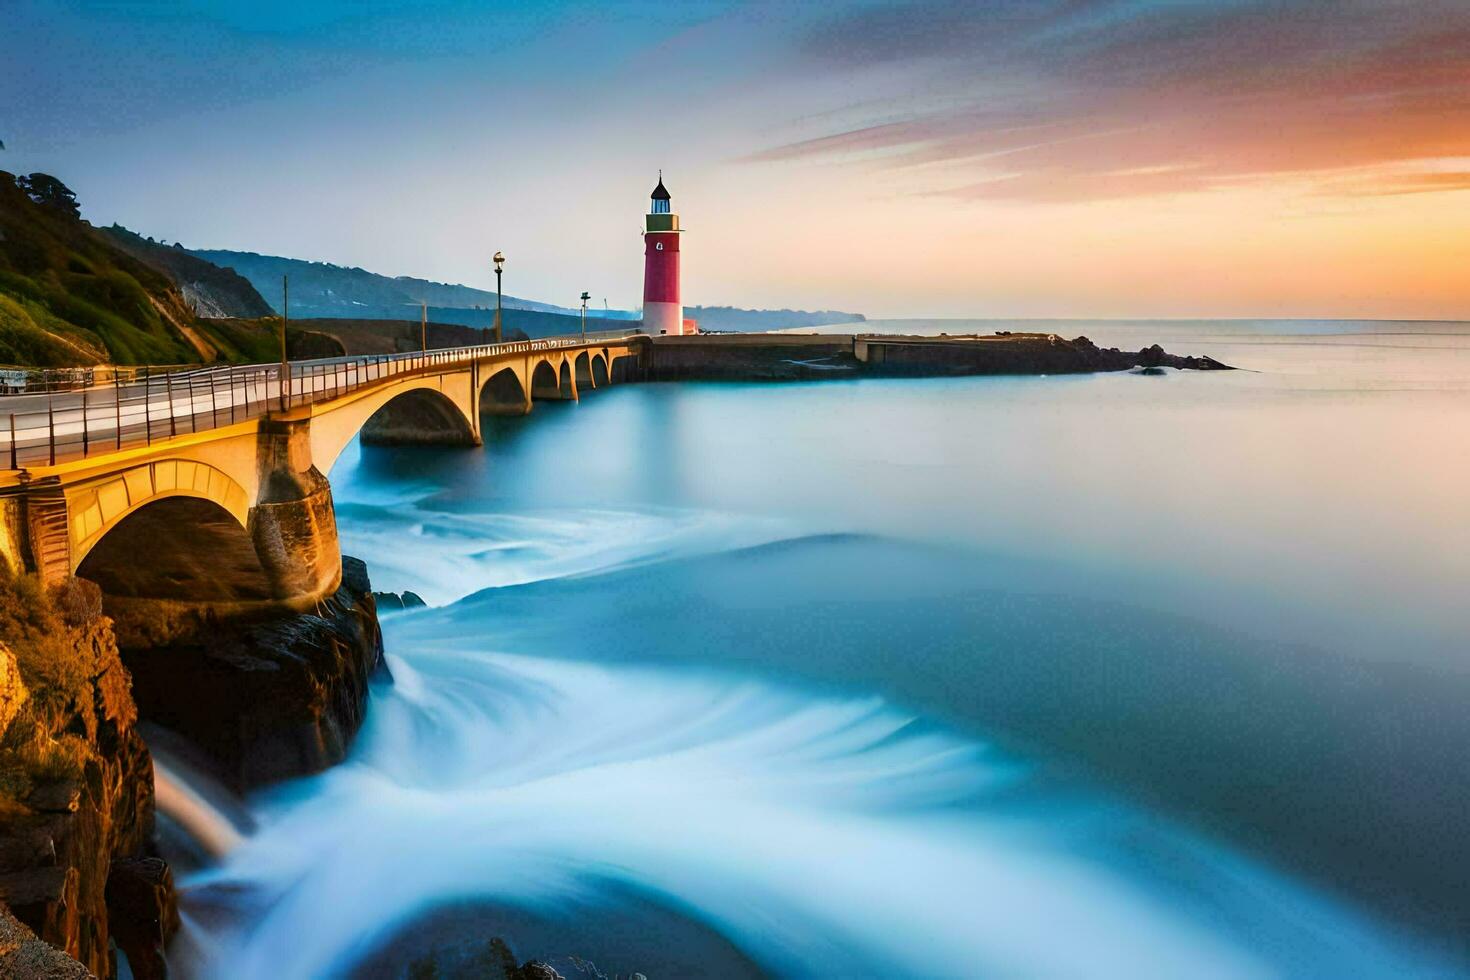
(200, 496)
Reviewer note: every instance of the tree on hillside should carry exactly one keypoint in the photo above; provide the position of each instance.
(46, 190)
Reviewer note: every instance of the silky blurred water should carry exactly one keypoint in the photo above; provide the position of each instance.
(1106, 675)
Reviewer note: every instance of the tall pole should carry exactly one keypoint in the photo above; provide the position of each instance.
(585, 298)
(497, 305)
(424, 328)
(285, 361)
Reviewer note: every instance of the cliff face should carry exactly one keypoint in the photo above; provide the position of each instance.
(76, 786)
(272, 700)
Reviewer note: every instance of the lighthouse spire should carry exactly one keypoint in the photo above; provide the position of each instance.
(660, 197)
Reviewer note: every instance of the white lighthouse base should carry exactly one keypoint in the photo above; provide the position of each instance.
(663, 318)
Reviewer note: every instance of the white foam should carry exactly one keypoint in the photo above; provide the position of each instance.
(826, 837)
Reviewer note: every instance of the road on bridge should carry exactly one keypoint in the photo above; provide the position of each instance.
(45, 429)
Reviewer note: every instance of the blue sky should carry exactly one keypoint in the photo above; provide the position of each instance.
(1061, 157)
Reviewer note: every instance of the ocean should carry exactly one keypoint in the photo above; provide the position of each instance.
(1099, 676)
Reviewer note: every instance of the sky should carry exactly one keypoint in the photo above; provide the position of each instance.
(1069, 158)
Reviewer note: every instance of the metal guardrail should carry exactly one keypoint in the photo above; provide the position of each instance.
(60, 426)
(17, 379)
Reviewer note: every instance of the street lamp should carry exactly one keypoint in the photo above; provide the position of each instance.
(585, 298)
(499, 261)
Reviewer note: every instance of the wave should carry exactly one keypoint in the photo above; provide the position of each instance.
(823, 836)
(446, 555)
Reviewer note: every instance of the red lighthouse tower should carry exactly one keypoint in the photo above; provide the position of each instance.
(663, 311)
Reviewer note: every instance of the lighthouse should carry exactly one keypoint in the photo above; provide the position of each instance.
(663, 311)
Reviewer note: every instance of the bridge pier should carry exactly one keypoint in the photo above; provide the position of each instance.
(293, 525)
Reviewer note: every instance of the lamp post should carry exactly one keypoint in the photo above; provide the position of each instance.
(285, 378)
(585, 298)
(499, 261)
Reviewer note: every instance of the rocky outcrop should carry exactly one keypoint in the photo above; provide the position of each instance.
(77, 809)
(398, 601)
(269, 700)
(492, 959)
(143, 912)
(23, 955)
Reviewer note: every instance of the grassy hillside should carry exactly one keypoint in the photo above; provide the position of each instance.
(69, 296)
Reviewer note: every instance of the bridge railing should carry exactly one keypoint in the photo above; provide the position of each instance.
(58, 426)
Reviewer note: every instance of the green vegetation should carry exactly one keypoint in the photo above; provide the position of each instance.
(247, 341)
(69, 295)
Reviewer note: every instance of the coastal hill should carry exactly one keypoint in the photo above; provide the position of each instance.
(321, 289)
(210, 291)
(69, 295)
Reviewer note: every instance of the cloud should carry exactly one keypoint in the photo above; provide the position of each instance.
(1085, 99)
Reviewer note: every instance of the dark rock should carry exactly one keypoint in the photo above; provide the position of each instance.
(35, 885)
(62, 796)
(143, 913)
(273, 700)
(398, 601)
(1152, 356)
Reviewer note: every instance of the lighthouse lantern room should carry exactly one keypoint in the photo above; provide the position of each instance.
(663, 311)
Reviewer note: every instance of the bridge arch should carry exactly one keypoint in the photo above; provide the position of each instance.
(506, 393)
(96, 509)
(552, 379)
(198, 552)
(600, 376)
(417, 416)
(416, 411)
(583, 370)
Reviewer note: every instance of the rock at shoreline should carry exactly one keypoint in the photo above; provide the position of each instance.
(273, 700)
(398, 601)
(143, 913)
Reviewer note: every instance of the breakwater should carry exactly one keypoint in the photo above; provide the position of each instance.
(828, 357)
